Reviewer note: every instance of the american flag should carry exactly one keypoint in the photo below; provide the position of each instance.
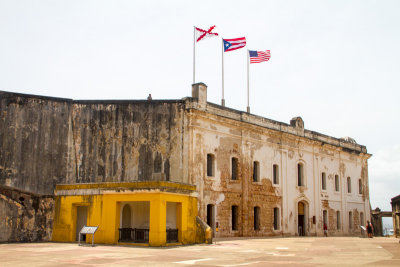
(259, 56)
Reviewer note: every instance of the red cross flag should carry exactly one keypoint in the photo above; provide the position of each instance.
(205, 33)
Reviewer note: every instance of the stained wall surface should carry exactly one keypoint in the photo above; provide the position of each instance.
(48, 141)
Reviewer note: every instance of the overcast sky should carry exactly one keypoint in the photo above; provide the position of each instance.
(334, 63)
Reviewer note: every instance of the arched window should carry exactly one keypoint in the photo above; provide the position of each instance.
(360, 187)
(323, 181)
(300, 174)
(337, 183)
(126, 217)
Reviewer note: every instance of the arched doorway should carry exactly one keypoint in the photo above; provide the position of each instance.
(126, 217)
(302, 218)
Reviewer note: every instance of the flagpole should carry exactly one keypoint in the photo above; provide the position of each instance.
(194, 54)
(248, 90)
(223, 99)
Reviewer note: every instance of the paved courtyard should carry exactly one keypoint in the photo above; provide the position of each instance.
(305, 251)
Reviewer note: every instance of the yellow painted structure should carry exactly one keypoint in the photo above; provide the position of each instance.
(103, 202)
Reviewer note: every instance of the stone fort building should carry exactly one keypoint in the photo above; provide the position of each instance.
(155, 171)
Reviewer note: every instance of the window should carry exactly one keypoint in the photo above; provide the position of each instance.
(348, 185)
(276, 218)
(337, 183)
(256, 171)
(323, 182)
(300, 174)
(338, 220)
(275, 169)
(256, 218)
(360, 187)
(234, 218)
(350, 220)
(235, 163)
(210, 165)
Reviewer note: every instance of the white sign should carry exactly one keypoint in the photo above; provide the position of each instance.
(88, 230)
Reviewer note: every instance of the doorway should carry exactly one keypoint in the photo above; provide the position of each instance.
(81, 220)
(301, 228)
(210, 216)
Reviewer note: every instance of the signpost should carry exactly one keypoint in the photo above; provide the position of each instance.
(88, 230)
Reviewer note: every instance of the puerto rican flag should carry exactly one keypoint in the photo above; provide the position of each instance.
(233, 44)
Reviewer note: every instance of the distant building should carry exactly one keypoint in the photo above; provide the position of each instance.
(154, 171)
(396, 215)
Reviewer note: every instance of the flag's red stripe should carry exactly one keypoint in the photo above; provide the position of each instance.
(236, 39)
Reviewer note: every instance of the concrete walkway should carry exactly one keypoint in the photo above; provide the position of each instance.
(304, 251)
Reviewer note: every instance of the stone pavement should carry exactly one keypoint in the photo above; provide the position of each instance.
(295, 251)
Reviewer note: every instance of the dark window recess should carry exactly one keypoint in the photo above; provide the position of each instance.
(337, 183)
(256, 171)
(234, 218)
(276, 218)
(210, 165)
(256, 218)
(348, 185)
(275, 174)
(323, 182)
(300, 175)
(235, 164)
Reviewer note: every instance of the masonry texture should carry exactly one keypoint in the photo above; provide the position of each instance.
(47, 141)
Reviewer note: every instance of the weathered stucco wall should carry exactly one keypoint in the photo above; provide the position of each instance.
(126, 141)
(226, 133)
(48, 141)
(33, 142)
(25, 217)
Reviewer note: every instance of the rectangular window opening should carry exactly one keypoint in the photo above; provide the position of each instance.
(210, 165)
(256, 218)
(275, 174)
(235, 163)
(276, 218)
(234, 218)
(300, 175)
(256, 171)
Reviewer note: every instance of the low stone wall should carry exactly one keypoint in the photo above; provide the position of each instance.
(24, 216)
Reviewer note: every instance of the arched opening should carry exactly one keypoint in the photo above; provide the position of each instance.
(126, 217)
(302, 218)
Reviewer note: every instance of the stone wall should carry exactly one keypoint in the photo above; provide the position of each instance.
(33, 142)
(47, 141)
(25, 217)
